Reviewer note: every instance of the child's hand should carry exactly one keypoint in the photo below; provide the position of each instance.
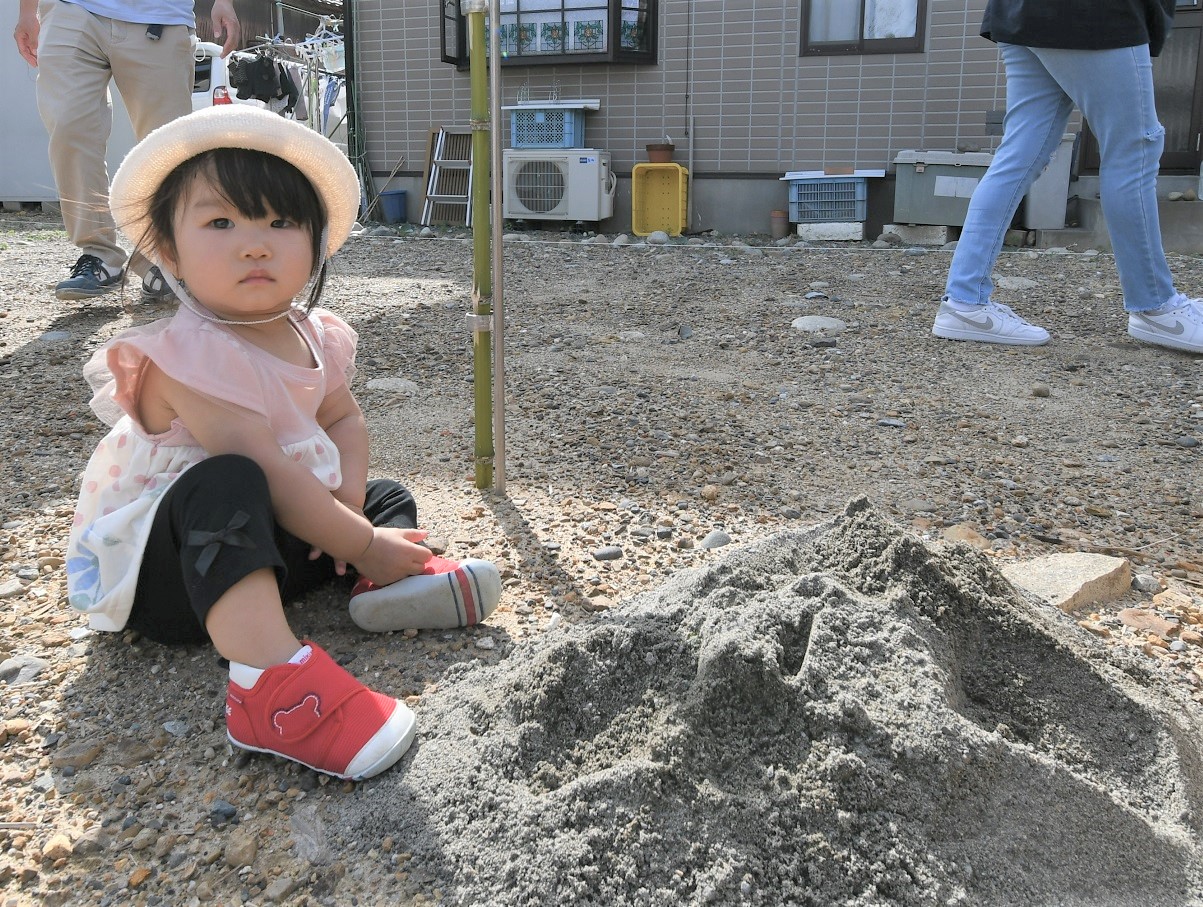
(393, 554)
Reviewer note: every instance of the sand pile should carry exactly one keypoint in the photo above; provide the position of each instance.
(842, 716)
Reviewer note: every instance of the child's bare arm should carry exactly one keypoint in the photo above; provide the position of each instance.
(342, 420)
(301, 503)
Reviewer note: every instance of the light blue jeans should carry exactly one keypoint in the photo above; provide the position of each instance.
(1114, 91)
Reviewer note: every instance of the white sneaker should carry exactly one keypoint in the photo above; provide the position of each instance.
(989, 323)
(1179, 328)
(445, 594)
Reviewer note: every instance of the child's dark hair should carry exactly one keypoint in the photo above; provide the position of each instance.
(255, 183)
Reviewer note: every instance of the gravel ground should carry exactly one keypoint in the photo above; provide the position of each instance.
(665, 407)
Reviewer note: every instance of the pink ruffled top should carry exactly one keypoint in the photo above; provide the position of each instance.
(131, 468)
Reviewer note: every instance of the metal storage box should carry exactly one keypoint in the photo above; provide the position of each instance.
(934, 187)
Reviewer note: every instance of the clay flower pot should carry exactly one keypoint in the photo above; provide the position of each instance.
(660, 153)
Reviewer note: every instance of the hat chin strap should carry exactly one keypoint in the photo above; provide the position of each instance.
(190, 303)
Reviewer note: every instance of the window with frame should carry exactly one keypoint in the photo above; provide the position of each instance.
(561, 31)
(831, 27)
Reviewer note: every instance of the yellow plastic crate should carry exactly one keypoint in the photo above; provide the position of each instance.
(659, 199)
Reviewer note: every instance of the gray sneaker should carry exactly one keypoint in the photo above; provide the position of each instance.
(1179, 328)
(989, 323)
(89, 277)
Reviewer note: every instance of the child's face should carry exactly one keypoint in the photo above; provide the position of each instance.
(236, 266)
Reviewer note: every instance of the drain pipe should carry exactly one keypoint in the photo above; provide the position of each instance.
(689, 117)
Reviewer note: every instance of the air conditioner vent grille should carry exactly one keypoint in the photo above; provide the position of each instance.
(539, 185)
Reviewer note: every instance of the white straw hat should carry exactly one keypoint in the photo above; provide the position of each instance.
(235, 126)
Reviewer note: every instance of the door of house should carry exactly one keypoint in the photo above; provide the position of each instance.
(1178, 85)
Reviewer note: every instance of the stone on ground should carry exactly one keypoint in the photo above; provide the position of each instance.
(1074, 580)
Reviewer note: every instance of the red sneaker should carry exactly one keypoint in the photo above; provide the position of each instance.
(446, 594)
(317, 714)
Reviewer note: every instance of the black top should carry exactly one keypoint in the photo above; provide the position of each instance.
(1079, 24)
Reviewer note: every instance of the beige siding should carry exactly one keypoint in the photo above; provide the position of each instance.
(730, 89)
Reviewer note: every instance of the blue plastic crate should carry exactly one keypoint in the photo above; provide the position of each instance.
(828, 199)
(547, 127)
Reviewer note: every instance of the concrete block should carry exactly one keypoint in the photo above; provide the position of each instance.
(1181, 221)
(922, 234)
(1072, 581)
(840, 232)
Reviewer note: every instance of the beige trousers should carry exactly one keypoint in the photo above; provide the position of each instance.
(78, 55)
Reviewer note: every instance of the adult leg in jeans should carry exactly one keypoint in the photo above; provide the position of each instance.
(1037, 111)
(1114, 91)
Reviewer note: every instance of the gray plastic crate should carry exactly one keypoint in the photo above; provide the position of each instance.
(828, 199)
(547, 127)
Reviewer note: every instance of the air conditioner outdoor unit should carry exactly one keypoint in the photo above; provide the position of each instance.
(557, 184)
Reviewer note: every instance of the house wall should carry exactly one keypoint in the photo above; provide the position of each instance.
(730, 90)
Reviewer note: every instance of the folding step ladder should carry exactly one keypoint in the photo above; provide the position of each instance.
(449, 177)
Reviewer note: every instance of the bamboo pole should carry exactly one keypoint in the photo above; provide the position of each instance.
(482, 301)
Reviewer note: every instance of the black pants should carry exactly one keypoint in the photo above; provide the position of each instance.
(214, 527)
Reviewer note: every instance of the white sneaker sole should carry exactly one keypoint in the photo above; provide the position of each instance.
(954, 333)
(442, 601)
(1159, 338)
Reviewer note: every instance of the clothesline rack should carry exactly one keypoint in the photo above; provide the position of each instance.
(325, 37)
(297, 51)
(320, 53)
(325, 22)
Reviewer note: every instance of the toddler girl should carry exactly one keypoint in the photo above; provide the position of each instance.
(234, 476)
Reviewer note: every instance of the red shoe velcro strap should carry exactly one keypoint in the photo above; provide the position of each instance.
(319, 686)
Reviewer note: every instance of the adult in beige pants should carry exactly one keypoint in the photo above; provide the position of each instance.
(78, 47)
